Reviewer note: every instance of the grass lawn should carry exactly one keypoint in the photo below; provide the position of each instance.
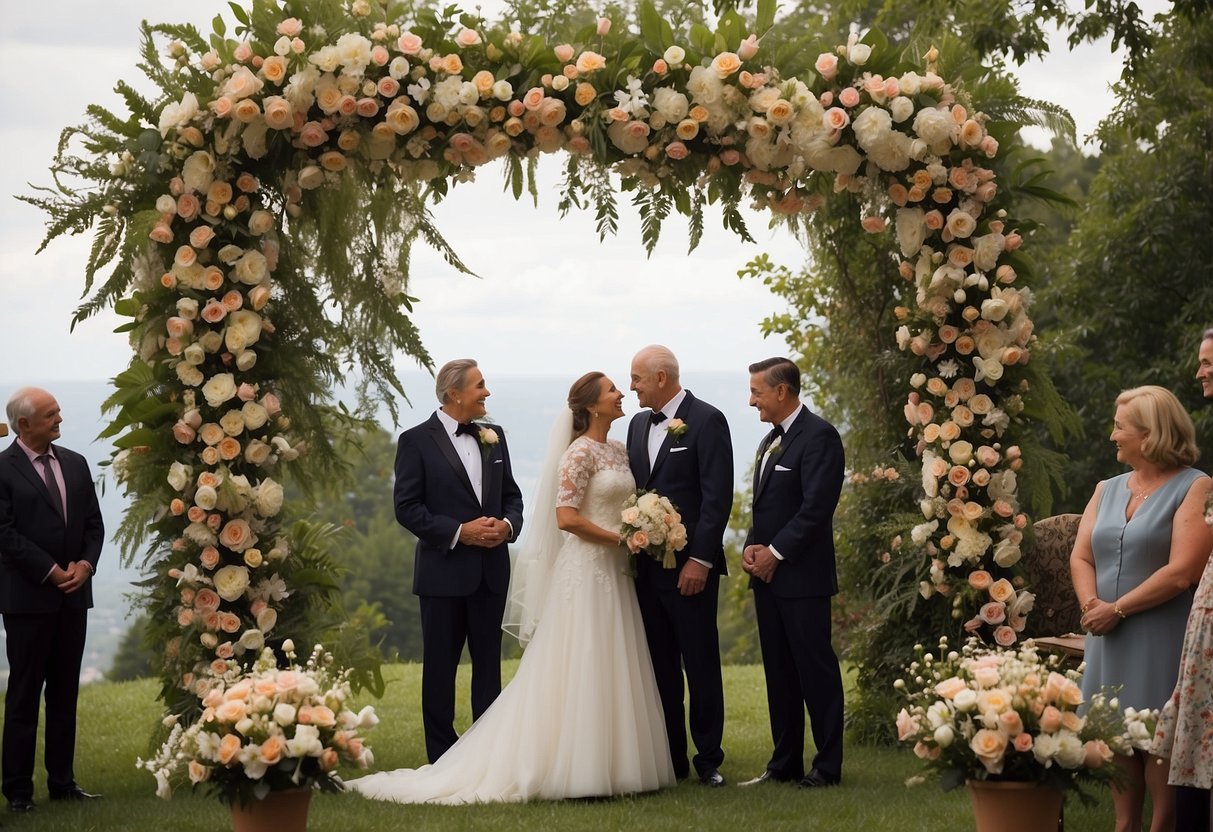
(116, 721)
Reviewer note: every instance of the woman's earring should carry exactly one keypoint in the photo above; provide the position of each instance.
(595, 413)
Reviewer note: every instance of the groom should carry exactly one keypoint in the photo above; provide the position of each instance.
(681, 449)
(455, 492)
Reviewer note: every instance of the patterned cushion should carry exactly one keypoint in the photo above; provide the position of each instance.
(1048, 564)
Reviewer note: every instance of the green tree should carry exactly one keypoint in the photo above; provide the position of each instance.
(134, 659)
(374, 552)
(1137, 292)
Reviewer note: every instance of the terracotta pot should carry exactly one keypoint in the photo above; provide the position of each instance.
(1015, 807)
(278, 812)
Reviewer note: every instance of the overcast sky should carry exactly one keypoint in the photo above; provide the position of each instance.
(551, 297)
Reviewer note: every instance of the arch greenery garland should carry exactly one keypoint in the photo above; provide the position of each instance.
(259, 216)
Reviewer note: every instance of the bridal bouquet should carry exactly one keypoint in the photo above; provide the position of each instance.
(267, 730)
(986, 713)
(652, 524)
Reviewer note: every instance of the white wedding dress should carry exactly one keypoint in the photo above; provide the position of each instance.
(581, 717)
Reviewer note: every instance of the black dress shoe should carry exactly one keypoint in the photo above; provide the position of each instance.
(818, 779)
(712, 778)
(74, 793)
(21, 805)
(767, 776)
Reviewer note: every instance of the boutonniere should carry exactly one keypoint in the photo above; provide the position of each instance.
(676, 428)
(487, 437)
(771, 451)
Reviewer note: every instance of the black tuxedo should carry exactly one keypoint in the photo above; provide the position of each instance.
(462, 590)
(793, 511)
(695, 471)
(45, 627)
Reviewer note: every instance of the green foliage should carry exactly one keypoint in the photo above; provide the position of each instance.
(135, 657)
(1134, 294)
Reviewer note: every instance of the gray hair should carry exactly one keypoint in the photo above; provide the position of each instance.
(658, 358)
(21, 406)
(1208, 334)
(452, 376)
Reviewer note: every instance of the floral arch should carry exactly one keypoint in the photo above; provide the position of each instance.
(261, 212)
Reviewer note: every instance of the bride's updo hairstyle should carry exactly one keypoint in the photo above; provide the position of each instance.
(583, 395)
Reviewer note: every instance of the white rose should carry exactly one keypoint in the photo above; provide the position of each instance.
(257, 452)
(901, 108)
(761, 100)
(935, 127)
(871, 126)
(254, 415)
(961, 452)
(251, 268)
(704, 86)
(232, 423)
(179, 476)
(194, 354)
(206, 497)
(242, 331)
(674, 56)
(268, 498)
(219, 389)
(179, 114)
(892, 152)
(1006, 554)
(858, 54)
(966, 700)
(211, 342)
(231, 582)
(986, 250)
(1070, 753)
(188, 374)
(671, 104)
(503, 90)
(994, 309)
(198, 170)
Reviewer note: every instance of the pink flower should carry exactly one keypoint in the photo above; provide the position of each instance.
(660, 67)
(604, 26)
(1023, 742)
(1005, 636)
(836, 118)
(827, 65)
(409, 43)
(873, 225)
(291, 27)
(849, 97)
(748, 48)
(676, 151)
(564, 53)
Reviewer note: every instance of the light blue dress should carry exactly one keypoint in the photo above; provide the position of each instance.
(1142, 652)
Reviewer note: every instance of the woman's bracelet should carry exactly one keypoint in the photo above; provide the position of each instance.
(1116, 609)
(1083, 608)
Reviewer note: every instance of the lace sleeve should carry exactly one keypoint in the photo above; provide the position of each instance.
(576, 466)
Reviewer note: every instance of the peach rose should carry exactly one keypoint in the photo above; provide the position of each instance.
(229, 748)
(237, 536)
(726, 64)
(1023, 742)
(590, 62)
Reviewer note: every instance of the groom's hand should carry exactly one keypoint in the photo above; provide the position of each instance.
(693, 577)
(760, 562)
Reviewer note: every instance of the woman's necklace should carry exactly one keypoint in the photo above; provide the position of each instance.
(1143, 493)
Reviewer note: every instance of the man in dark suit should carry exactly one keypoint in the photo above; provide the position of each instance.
(680, 447)
(789, 554)
(51, 535)
(455, 491)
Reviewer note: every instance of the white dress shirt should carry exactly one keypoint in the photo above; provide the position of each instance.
(657, 436)
(766, 457)
(468, 449)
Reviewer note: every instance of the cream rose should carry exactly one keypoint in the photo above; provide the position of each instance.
(231, 582)
(219, 389)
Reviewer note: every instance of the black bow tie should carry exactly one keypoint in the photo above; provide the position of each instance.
(657, 417)
(775, 433)
(466, 429)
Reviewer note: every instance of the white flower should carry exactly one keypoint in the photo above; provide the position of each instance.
(306, 742)
(178, 115)
(249, 639)
(503, 90)
(911, 230)
(674, 56)
(671, 104)
(901, 108)
(936, 128)
(220, 388)
(268, 498)
(179, 476)
(197, 171)
(231, 582)
(857, 53)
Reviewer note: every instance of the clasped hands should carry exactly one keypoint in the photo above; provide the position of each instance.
(1100, 618)
(759, 561)
(485, 532)
(71, 579)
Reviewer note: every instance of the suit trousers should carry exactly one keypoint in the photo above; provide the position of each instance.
(682, 635)
(447, 623)
(43, 650)
(802, 672)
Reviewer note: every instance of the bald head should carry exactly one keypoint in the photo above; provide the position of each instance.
(655, 376)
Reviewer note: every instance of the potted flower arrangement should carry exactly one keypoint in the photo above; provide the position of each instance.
(1008, 720)
(267, 737)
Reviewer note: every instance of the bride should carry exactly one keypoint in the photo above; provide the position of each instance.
(581, 718)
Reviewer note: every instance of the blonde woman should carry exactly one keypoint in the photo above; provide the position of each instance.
(1141, 547)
